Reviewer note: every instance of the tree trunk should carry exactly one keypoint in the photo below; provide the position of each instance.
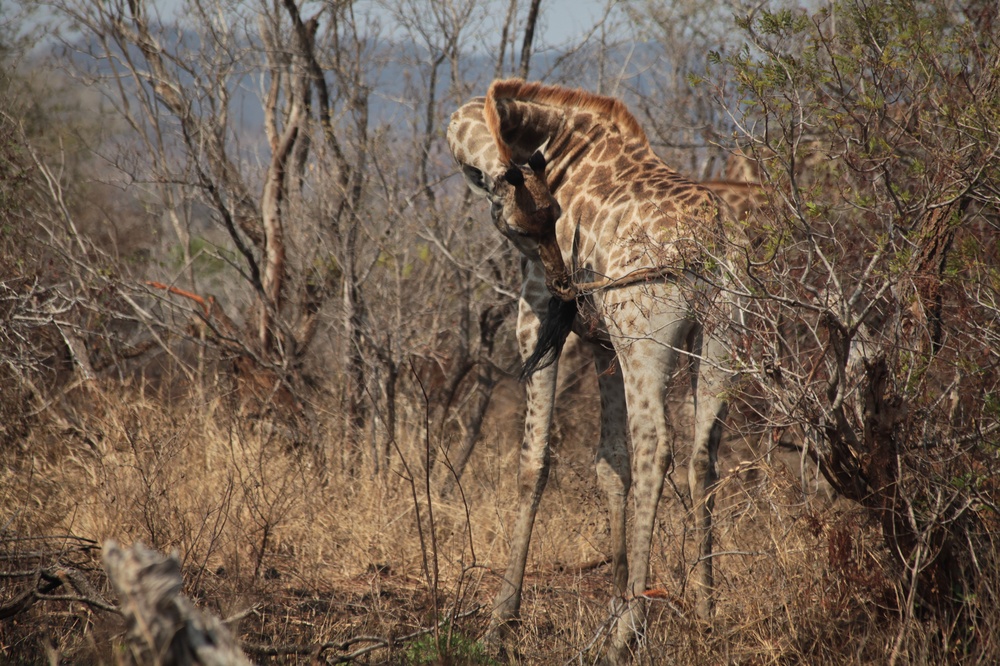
(529, 37)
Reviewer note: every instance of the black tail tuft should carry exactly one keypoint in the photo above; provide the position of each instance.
(556, 325)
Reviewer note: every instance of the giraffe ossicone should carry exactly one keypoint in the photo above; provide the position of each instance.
(613, 233)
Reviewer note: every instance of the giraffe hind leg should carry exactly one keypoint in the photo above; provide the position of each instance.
(710, 381)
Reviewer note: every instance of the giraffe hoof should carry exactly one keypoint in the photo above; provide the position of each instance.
(499, 639)
(503, 626)
(616, 656)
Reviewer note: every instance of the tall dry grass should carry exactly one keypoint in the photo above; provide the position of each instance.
(296, 549)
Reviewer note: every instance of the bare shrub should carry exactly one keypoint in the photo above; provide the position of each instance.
(289, 436)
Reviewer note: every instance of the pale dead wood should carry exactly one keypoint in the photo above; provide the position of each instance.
(164, 627)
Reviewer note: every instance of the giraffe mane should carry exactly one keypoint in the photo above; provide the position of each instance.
(611, 108)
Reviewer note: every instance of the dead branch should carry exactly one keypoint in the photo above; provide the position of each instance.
(47, 580)
(258, 382)
(376, 642)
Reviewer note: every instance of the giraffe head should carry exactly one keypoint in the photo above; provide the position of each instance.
(522, 206)
(525, 212)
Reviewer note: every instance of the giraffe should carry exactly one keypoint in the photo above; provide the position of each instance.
(625, 258)
(742, 197)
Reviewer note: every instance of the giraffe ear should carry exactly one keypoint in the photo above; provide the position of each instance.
(477, 181)
(537, 161)
(514, 176)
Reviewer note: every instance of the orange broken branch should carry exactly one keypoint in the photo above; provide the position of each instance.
(205, 305)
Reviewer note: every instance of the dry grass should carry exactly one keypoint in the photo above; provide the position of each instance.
(297, 550)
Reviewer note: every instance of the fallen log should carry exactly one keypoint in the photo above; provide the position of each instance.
(163, 627)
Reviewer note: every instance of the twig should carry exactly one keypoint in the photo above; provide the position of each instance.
(378, 642)
(47, 580)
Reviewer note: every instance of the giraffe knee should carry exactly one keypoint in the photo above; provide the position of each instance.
(701, 472)
(615, 477)
(533, 468)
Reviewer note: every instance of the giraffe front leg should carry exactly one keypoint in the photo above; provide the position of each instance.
(533, 466)
(647, 365)
(652, 449)
(613, 465)
(533, 474)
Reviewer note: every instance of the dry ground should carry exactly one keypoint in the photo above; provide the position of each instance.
(299, 548)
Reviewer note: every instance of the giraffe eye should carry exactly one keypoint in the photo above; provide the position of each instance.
(474, 177)
(537, 161)
(514, 176)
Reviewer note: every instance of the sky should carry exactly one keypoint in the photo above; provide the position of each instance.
(566, 19)
(559, 20)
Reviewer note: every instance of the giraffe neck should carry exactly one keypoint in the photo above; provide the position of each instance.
(623, 208)
(578, 130)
